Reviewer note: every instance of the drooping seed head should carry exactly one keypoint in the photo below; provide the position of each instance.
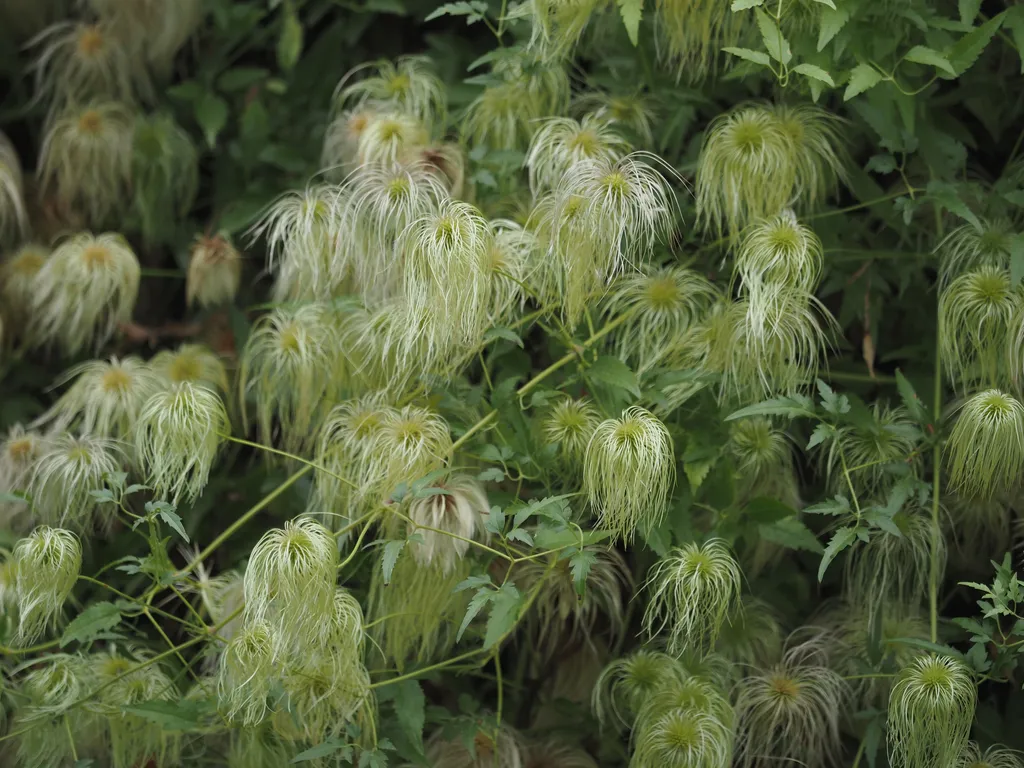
(47, 564)
(458, 509)
(562, 142)
(65, 474)
(19, 452)
(995, 756)
(967, 248)
(570, 425)
(780, 249)
(193, 363)
(985, 451)
(214, 272)
(407, 85)
(627, 683)
(246, 672)
(13, 215)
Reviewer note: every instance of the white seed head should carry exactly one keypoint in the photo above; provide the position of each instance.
(556, 25)
(562, 142)
(458, 509)
(13, 215)
(194, 363)
(682, 736)
(104, 399)
(47, 564)
(570, 425)
(985, 450)
(19, 452)
(86, 288)
(391, 137)
(780, 249)
(409, 443)
(17, 287)
(967, 248)
(407, 85)
(692, 590)
(931, 709)
(246, 672)
(177, 437)
(86, 161)
(995, 756)
(155, 29)
(627, 683)
(508, 751)
(65, 474)
(214, 272)
(629, 471)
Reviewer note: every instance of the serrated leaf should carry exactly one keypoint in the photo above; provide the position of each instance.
(913, 404)
(839, 505)
(632, 11)
(829, 3)
(103, 496)
(501, 332)
(410, 709)
(777, 406)
(791, 533)
(580, 565)
(774, 41)
(821, 433)
(916, 642)
(172, 519)
(863, 77)
(391, 552)
(612, 371)
(831, 24)
(968, 48)
(521, 535)
(766, 510)
(494, 521)
(697, 471)
(170, 715)
(742, 5)
(883, 520)
(840, 540)
(505, 604)
(758, 57)
(97, 618)
(921, 55)
(482, 597)
(491, 474)
(1015, 23)
(329, 747)
(817, 73)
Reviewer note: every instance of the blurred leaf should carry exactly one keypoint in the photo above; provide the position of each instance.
(94, 620)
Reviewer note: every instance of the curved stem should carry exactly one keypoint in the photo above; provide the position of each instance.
(292, 456)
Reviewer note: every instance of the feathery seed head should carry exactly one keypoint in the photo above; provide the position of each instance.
(86, 288)
(751, 637)
(995, 756)
(342, 137)
(682, 736)
(985, 451)
(791, 711)
(223, 595)
(19, 452)
(458, 509)
(761, 451)
(56, 684)
(552, 753)
(194, 363)
(246, 671)
(86, 160)
(324, 692)
(967, 248)
(214, 272)
(931, 709)
(629, 471)
(780, 249)
(692, 34)
(556, 25)
(156, 29)
(47, 564)
(562, 142)
(890, 438)
(409, 443)
(391, 137)
(634, 111)
(511, 261)
(283, 370)
(693, 590)
(508, 751)
(978, 312)
(407, 85)
(177, 437)
(13, 216)
(17, 286)
(627, 683)
(290, 580)
(105, 398)
(662, 304)
(65, 474)
(570, 425)
(817, 144)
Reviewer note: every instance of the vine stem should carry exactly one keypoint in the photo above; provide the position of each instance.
(292, 456)
(933, 576)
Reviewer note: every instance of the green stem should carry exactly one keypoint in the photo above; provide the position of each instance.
(859, 206)
(292, 456)
(933, 578)
(424, 670)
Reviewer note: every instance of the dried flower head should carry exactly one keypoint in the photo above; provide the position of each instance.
(751, 637)
(570, 425)
(64, 476)
(290, 579)
(985, 451)
(457, 509)
(13, 216)
(512, 258)
(693, 590)
(931, 709)
(283, 369)
(157, 28)
(194, 363)
(222, 596)
(633, 111)
(104, 399)
(214, 272)
(177, 437)
(791, 710)
(556, 25)
(763, 457)
(661, 303)
(47, 564)
(86, 288)
(781, 250)
(817, 145)
(86, 160)
(978, 315)
(562, 142)
(629, 470)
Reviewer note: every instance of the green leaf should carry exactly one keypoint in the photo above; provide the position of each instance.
(615, 373)
(18, 498)
(1016, 259)
(240, 78)
(697, 471)
(410, 709)
(840, 540)
(102, 496)
(968, 10)
(921, 55)
(391, 552)
(482, 597)
(916, 642)
(94, 620)
(171, 715)
(758, 57)
(863, 77)
(766, 510)
(631, 11)
(816, 73)
(501, 332)
(505, 604)
(831, 24)
(491, 474)
(289, 44)
(829, 3)
(580, 565)
(1015, 23)
(329, 747)
(790, 533)
(821, 433)
(777, 406)
(968, 48)
(212, 115)
(518, 534)
(839, 505)
(774, 42)
(474, 11)
(913, 404)
(172, 519)
(742, 5)
(947, 196)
